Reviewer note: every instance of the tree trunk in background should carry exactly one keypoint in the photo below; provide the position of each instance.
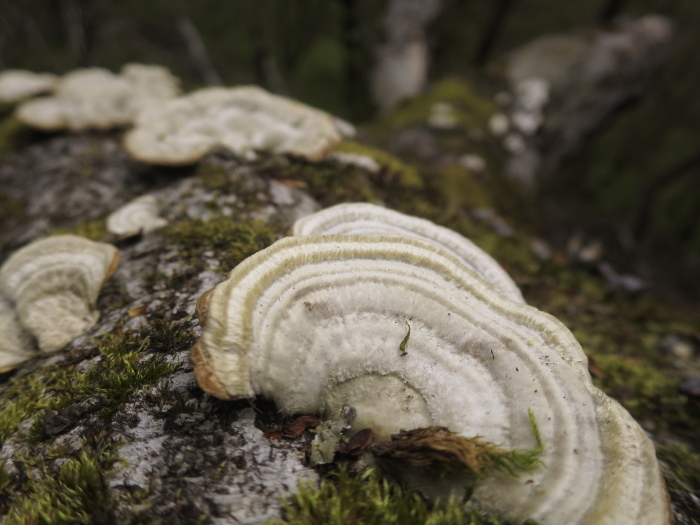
(493, 31)
(611, 10)
(401, 66)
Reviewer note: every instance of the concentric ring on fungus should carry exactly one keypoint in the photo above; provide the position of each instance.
(362, 218)
(315, 323)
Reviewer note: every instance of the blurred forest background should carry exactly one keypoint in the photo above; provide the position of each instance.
(636, 184)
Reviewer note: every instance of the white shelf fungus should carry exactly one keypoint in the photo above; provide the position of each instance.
(141, 215)
(53, 284)
(18, 84)
(96, 98)
(242, 120)
(15, 343)
(317, 323)
(368, 219)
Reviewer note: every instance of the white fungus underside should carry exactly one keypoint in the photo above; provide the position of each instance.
(327, 311)
(368, 219)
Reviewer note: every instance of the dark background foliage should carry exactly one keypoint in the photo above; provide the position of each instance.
(636, 184)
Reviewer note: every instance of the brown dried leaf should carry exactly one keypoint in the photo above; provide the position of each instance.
(358, 442)
(297, 427)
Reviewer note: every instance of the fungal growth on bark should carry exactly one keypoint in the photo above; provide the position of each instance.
(317, 323)
(242, 120)
(53, 284)
(367, 219)
(18, 84)
(96, 98)
(141, 215)
(15, 343)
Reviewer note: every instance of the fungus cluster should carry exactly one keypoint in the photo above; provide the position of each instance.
(369, 219)
(242, 120)
(48, 291)
(320, 323)
(96, 98)
(18, 84)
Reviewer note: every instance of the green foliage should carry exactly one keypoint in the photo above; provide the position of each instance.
(230, 241)
(348, 498)
(76, 492)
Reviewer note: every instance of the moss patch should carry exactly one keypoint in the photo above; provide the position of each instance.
(120, 370)
(12, 135)
(469, 110)
(94, 229)
(349, 498)
(393, 168)
(75, 491)
(54, 485)
(220, 238)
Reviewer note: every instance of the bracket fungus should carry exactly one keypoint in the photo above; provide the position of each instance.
(18, 84)
(369, 219)
(53, 284)
(96, 98)
(242, 119)
(141, 215)
(15, 343)
(316, 324)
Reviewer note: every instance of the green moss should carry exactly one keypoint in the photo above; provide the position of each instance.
(213, 177)
(405, 175)
(12, 134)
(684, 463)
(330, 184)
(348, 498)
(229, 241)
(123, 369)
(93, 229)
(30, 394)
(516, 461)
(74, 492)
(120, 371)
(459, 188)
(641, 388)
(470, 110)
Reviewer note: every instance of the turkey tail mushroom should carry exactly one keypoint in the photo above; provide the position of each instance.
(316, 324)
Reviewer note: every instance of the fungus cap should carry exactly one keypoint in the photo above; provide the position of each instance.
(15, 343)
(53, 284)
(317, 323)
(96, 98)
(368, 219)
(139, 215)
(17, 84)
(242, 120)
